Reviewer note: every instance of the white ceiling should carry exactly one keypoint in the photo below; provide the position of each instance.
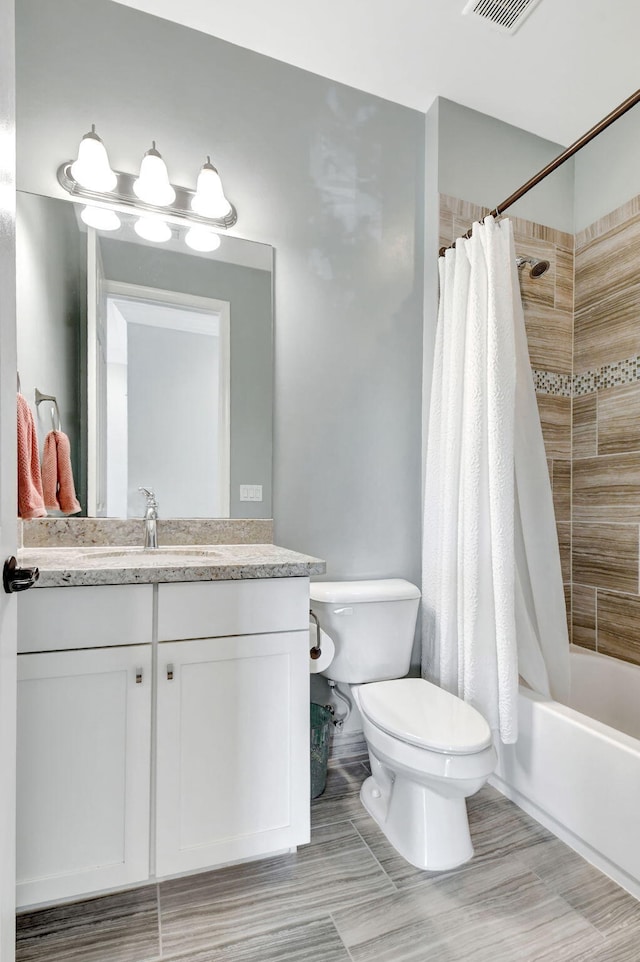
(570, 63)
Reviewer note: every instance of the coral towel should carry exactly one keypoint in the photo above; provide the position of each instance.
(30, 499)
(57, 474)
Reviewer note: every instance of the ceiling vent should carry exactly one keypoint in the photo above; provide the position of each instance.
(505, 15)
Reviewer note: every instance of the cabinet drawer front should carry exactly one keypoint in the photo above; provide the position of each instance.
(232, 608)
(52, 619)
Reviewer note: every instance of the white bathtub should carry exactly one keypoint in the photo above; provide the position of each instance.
(577, 769)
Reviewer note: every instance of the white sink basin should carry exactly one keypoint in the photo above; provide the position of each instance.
(164, 555)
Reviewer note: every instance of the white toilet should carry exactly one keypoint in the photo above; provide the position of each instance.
(429, 750)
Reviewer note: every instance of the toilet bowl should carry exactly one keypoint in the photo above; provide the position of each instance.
(429, 751)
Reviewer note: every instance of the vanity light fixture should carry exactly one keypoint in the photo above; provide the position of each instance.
(209, 199)
(152, 229)
(92, 169)
(90, 179)
(152, 185)
(202, 239)
(100, 218)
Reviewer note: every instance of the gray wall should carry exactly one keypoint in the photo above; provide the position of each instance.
(51, 294)
(431, 269)
(249, 292)
(333, 178)
(484, 160)
(608, 170)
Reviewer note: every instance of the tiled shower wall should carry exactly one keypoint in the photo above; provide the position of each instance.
(606, 435)
(548, 313)
(586, 363)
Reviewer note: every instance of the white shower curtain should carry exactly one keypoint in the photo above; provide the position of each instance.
(493, 601)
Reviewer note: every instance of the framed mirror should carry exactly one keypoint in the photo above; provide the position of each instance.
(160, 359)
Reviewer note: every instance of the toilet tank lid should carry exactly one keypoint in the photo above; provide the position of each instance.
(356, 592)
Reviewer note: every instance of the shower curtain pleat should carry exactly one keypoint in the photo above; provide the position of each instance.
(491, 585)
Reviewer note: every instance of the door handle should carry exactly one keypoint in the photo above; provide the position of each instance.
(169, 672)
(18, 579)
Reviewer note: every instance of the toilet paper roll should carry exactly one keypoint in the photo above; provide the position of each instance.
(327, 647)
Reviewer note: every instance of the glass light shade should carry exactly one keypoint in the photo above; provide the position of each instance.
(209, 199)
(152, 229)
(100, 218)
(92, 169)
(152, 185)
(202, 239)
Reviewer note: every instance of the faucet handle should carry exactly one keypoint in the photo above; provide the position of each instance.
(150, 496)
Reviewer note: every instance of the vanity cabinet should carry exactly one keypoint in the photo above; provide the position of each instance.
(123, 776)
(84, 737)
(233, 707)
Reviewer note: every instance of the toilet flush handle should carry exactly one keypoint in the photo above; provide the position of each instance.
(343, 611)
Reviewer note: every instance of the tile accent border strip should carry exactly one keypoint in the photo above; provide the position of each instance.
(609, 375)
(616, 374)
(546, 382)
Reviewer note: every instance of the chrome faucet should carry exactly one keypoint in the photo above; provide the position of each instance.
(150, 519)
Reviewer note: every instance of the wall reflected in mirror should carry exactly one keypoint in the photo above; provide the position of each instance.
(160, 357)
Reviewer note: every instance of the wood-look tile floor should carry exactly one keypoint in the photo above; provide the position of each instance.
(349, 897)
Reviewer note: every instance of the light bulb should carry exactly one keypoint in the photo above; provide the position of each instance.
(152, 229)
(209, 199)
(100, 218)
(152, 186)
(202, 239)
(92, 169)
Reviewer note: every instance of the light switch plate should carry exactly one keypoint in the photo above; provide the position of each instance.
(251, 492)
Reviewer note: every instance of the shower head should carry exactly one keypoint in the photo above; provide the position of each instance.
(537, 268)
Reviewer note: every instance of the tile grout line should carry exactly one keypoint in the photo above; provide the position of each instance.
(572, 434)
(346, 947)
(605, 521)
(373, 855)
(555, 891)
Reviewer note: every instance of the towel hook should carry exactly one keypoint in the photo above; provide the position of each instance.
(57, 424)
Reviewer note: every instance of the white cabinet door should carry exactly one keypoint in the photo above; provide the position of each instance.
(84, 722)
(233, 749)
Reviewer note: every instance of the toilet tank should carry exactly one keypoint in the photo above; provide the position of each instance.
(372, 625)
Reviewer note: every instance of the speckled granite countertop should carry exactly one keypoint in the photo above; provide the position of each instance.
(118, 565)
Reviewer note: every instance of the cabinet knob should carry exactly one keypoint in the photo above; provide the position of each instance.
(169, 672)
(138, 676)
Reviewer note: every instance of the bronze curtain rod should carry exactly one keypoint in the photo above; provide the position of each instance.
(558, 161)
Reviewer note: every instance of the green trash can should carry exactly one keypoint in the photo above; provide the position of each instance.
(321, 718)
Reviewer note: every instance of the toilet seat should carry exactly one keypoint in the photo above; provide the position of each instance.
(422, 714)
